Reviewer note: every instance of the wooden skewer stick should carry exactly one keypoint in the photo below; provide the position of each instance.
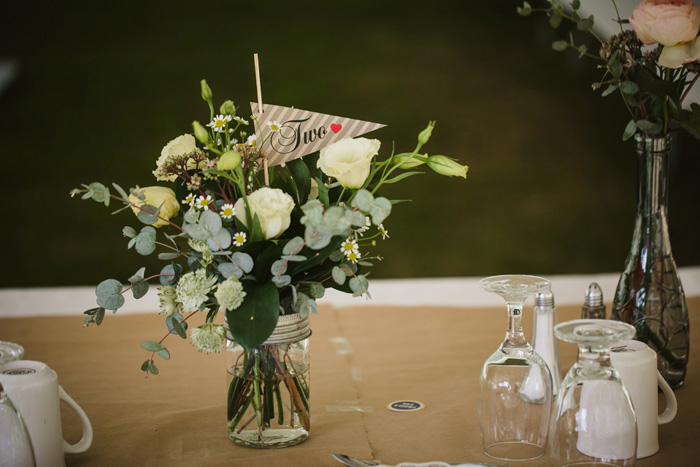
(260, 111)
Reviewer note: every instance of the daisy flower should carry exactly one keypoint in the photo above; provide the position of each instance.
(384, 232)
(349, 246)
(274, 125)
(227, 211)
(240, 120)
(190, 199)
(252, 141)
(203, 203)
(365, 228)
(354, 256)
(219, 122)
(239, 238)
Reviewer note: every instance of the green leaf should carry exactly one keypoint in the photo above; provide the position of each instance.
(152, 367)
(647, 126)
(97, 191)
(322, 193)
(294, 258)
(107, 197)
(146, 241)
(121, 191)
(196, 231)
(108, 294)
(610, 89)
(175, 324)
(525, 10)
(256, 318)
(317, 290)
(555, 21)
(576, 4)
(359, 286)
(168, 255)
(381, 208)
(363, 200)
(398, 178)
(211, 221)
(169, 274)
(282, 281)
(648, 81)
(293, 246)
(164, 353)
(220, 241)
(139, 289)
(560, 46)
(148, 214)
(582, 49)
(152, 346)
(302, 178)
(338, 275)
(630, 130)
(691, 120)
(145, 365)
(99, 316)
(629, 87)
(584, 24)
(129, 232)
(279, 267)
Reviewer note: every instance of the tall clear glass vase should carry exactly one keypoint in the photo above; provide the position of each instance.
(649, 294)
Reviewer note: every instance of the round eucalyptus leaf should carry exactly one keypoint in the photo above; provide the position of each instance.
(363, 200)
(230, 269)
(282, 281)
(152, 346)
(145, 243)
(244, 261)
(196, 231)
(338, 275)
(148, 214)
(108, 294)
(220, 241)
(293, 246)
(129, 232)
(211, 221)
(381, 208)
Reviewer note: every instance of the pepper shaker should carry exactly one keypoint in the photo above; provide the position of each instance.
(593, 306)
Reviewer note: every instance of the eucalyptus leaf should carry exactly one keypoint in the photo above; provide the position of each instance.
(121, 191)
(139, 289)
(359, 286)
(230, 269)
(646, 125)
(338, 275)
(381, 208)
(191, 216)
(609, 90)
(196, 231)
(630, 130)
(363, 200)
(152, 367)
(322, 193)
(211, 221)
(629, 87)
(175, 325)
(294, 258)
(164, 353)
(293, 246)
(145, 242)
(279, 267)
(282, 281)
(524, 10)
(317, 290)
(129, 232)
(584, 24)
(244, 261)
(108, 294)
(148, 214)
(168, 274)
(99, 316)
(168, 255)
(555, 21)
(220, 241)
(98, 191)
(560, 46)
(152, 346)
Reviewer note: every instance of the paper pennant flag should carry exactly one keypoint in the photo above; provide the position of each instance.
(303, 132)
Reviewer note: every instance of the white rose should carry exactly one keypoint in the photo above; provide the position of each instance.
(181, 145)
(273, 207)
(349, 160)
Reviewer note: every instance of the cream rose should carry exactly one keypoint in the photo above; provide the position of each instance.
(273, 207)
(668, 22)
(349, 160)
(677, 55)
(160, 197)
(180, 146)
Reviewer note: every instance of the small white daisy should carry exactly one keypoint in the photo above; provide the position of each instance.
(203, 202)
(365, 228)
(219, 122)
(239, 238)
(354, 256)
(252, 141)
(190, 199)
(274, 125)
(384, 232)
(241, 120)
(349, 246)
(227, 211)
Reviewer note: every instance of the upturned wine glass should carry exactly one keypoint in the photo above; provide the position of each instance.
(593, 422)
(9, 352)
(15, 446)
(516, 386)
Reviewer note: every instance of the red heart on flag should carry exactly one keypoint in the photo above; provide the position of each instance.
(336, 127)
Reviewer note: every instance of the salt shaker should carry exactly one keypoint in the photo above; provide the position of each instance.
(543, 341)
(593, 307)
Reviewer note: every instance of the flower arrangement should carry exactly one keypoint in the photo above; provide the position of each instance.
(253, 250)
(652, 66)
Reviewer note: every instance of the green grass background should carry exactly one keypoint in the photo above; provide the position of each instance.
(104, 85)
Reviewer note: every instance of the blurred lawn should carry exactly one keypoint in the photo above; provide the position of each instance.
(103, 86)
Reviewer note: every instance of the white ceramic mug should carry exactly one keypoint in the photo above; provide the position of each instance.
(35, 392)
(636, 363)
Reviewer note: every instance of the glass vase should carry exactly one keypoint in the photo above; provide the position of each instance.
(649, 294)
(268, 387)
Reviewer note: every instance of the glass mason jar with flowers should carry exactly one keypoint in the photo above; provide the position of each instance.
(260, 253)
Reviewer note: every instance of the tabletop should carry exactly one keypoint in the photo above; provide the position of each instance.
(362, 359)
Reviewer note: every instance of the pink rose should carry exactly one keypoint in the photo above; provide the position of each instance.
(668, 22)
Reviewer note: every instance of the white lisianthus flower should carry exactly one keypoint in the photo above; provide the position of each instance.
(208, 337)
(678, 55)
(230, 293)
(168, 300)
(349, 160)
(273, 207)
(193, 287)
(180, 146)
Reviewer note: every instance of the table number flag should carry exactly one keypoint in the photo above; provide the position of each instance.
(302, 132)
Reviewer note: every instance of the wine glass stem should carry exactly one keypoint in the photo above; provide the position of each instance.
(514, 334)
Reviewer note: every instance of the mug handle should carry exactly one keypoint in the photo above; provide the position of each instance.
(86, 440)
(671, 404)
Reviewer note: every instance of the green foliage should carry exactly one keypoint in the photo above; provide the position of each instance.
(109, 295)
(256, 318)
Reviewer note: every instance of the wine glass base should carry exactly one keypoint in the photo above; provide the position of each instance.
(514, 451)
